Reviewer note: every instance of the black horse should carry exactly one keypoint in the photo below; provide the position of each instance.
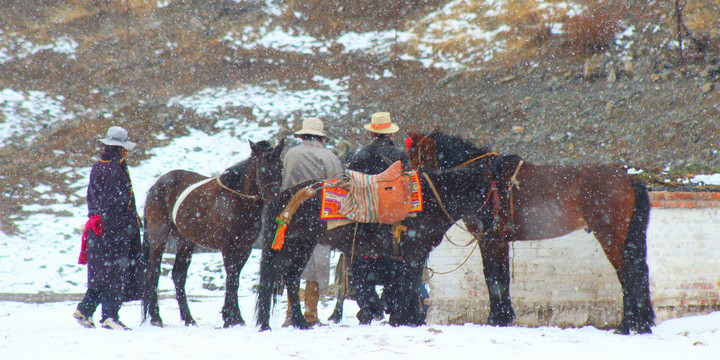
(447, 196)
(535, 202)
(221, 213)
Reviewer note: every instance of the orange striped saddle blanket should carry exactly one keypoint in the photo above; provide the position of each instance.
(385, 198)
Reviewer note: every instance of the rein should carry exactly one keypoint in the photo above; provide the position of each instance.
(437, 196)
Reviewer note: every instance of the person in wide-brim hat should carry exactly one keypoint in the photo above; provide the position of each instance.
(117, 136)
(381, 123)
(310, 160)
(311, 126)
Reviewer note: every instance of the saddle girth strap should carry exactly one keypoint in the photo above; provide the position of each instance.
(184, 194)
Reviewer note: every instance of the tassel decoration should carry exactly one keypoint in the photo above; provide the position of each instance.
(279, 234)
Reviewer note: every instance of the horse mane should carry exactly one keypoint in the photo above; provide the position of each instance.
(236, 174)
(454, 150)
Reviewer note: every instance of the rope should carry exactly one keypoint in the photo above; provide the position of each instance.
(433, 272)
(253, 197)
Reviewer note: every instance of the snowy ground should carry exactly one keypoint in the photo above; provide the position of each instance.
(47, 331)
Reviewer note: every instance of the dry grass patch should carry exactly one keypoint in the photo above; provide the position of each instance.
(593, 31)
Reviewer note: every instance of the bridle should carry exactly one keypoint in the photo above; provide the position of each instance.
(253, 197)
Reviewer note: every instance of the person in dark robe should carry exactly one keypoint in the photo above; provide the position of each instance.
(111, 242)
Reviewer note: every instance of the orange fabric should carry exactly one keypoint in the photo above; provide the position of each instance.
(279, 240)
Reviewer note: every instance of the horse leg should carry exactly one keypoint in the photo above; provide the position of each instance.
(404, 294)
(153, 248)
(234, 261)
(629, 258)
(293, 289)
(496, 267)
(179, 276)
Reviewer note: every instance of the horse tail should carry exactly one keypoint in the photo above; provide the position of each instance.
(270, 273)
(636, 258)
(145, 260)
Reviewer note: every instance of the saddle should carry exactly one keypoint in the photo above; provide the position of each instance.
(383, 198)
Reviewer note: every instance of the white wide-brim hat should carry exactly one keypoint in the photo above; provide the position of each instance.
(381, 124)
(312, 126)
(117, 136)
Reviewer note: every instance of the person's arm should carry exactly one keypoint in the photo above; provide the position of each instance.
(95, 192)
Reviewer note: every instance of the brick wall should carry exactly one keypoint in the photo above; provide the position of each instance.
(568, 281)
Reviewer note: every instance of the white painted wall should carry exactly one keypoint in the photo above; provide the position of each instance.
(567, 281)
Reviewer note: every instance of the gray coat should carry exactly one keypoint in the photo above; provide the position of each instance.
(309, 161)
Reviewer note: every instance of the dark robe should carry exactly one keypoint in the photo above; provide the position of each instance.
(113, 258)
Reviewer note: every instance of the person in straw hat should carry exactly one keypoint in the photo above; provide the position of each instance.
(369, 271)
(311, 161)
(111, 241)
(382, 152)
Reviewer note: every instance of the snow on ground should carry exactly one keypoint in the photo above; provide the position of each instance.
(47, 331)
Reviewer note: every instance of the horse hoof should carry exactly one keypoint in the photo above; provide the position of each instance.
(621, 331)
(190, 323)
(303, 325)
(229, 324)
(157, 323)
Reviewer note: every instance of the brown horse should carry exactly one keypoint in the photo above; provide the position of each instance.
(533, 202)
(221, 213)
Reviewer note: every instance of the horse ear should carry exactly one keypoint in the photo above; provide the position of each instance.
(253, 147)
(279, 148)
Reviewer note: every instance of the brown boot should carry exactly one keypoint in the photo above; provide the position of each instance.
(312, 296)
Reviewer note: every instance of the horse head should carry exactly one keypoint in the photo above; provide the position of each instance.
(269, 169)
(422, 151)
(438, 150)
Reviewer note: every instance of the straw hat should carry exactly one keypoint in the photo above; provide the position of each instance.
(311, 126)
(381, 124)
(117, 136)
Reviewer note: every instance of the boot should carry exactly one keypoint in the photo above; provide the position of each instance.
(312, 296)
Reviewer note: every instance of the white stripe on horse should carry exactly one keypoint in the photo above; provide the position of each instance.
(184, 194)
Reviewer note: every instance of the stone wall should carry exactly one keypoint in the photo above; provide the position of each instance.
(568, 281)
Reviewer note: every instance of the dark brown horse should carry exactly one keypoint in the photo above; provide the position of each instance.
(533, 202)
(447, 196)
(221, 213)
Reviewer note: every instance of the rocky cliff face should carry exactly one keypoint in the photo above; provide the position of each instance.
(613, 86)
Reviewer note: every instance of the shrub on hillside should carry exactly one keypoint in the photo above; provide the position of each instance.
(593, 31)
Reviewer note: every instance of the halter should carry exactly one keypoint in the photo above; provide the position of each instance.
(253, 197)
